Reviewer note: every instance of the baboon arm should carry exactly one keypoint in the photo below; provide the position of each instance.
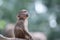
(27, 34)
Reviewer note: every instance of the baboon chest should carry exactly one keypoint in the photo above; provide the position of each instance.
(19, 30)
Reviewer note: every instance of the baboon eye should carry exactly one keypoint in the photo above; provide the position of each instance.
(25, 11)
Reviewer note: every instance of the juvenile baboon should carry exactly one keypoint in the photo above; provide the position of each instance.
(20, 27)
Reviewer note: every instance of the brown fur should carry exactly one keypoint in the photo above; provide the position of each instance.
(19, 30)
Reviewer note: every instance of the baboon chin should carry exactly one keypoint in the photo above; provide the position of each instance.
(20, 27)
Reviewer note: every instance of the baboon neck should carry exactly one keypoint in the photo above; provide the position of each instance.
(20, 23)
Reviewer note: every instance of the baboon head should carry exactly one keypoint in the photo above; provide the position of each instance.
(23, 14)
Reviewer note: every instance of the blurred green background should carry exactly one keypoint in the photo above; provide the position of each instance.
(44, 15)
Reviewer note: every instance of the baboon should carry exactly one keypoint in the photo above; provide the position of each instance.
(20, 27)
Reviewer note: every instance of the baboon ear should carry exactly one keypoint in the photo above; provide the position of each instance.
(27, 15)
(18, 16)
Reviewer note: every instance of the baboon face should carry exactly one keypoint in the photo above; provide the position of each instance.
(23, 14)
